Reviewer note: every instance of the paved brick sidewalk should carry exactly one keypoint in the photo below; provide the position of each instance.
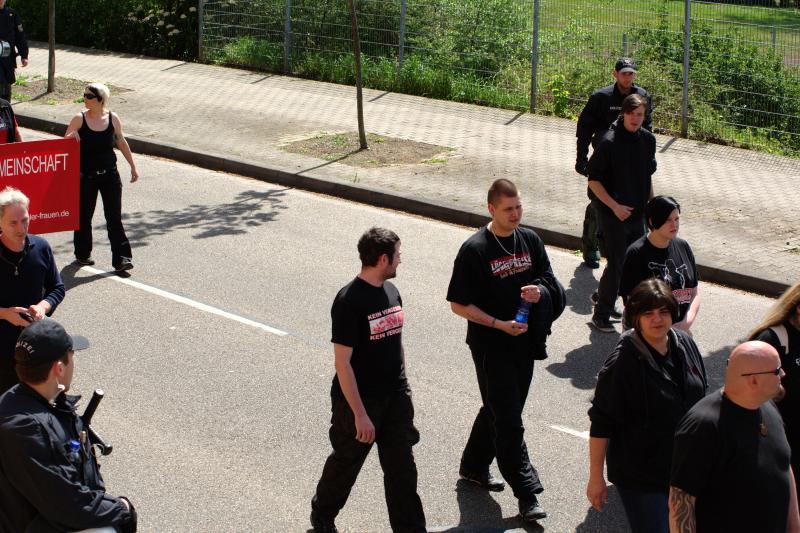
(740, 208)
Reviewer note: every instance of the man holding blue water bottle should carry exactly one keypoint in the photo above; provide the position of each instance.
(502, 283)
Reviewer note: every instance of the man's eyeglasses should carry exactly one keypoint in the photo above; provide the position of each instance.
(89, 96)
(776, 372)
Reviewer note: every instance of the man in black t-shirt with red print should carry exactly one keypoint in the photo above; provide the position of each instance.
(501, 264)
(370, 394)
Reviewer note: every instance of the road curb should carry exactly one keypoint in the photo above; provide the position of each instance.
(379, 198)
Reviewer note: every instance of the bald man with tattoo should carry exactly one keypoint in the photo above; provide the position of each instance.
(730, 465)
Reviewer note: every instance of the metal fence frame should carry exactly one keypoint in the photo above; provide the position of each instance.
(535, 41)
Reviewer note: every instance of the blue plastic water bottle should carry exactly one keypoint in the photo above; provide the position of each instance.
(522, 311)
(74, 451)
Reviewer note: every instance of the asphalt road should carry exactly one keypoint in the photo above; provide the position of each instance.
(216, 361)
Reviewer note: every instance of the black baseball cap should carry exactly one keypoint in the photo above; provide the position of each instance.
(45, 341)
(625, 64)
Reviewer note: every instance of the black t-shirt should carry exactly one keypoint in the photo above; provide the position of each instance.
(674, 264)
(490, 274)
(738, 471)
(370, 320)
(789, 406)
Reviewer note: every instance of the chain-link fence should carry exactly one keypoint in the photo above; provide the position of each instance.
(742, 84)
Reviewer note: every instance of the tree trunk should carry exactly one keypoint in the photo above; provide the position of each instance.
(362, 134)
(51, 41)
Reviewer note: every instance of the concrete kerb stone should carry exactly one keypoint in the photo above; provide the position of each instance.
(375, 197)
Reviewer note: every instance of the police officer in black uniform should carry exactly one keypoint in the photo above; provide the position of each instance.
(11, 31)
(601, 110)
(49, 478)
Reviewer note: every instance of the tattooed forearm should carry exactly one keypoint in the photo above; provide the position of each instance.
(681, 511)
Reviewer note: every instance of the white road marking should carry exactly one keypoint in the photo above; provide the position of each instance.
(574, 432)
(186, 301)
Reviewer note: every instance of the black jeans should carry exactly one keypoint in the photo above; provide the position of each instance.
(617, 235)
(504, 379)
(393, 417)
(109, 185)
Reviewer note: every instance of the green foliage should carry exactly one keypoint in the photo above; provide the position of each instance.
(161, 28)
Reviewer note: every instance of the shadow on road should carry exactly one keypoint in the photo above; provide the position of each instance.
(580, 289)
(71, 280)
(481, 513)
(612, 518)
(248, 209)
(582, 364)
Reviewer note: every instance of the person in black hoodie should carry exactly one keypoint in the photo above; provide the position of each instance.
(620, 176)
(600, 112)
(650, 380)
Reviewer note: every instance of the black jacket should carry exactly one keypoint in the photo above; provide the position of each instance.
(11, 31)
(38, 480)
(637, 406)
(602, 109)
(624, 163)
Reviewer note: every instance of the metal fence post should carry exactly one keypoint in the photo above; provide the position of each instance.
(287, 38)
(401, 44)
(687, 36)
(624, 44)
(774, 38)
(200, 51)
(535, 55)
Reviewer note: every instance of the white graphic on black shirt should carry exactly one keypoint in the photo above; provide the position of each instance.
(674, 277)
(508, 265)
(385, 323)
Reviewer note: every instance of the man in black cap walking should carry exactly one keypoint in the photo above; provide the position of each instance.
(49, 478)
(602, 109)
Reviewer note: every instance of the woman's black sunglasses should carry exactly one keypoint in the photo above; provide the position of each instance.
(89, 96)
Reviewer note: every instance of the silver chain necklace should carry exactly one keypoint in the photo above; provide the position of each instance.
(19, 262)
(513, 234)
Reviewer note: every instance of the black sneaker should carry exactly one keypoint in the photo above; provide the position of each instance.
(322, 525)
(485, 481)
(531, 510)
(602, 324)
(616, 312)
(85, 261)
(124, 265)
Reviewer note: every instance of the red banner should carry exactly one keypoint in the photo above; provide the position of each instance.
(48, 172)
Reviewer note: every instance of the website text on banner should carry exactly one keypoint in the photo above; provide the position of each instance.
(48, 172)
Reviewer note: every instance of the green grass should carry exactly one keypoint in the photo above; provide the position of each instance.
(621, 16)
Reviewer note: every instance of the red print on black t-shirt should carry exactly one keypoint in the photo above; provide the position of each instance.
(385, 323)
(509, 265)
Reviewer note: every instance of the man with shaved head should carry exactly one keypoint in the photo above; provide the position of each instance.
(730, 465)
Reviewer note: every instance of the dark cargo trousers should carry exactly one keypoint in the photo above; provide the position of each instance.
(617, 236)
(393, 417)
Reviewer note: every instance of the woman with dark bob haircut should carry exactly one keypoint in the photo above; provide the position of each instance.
(780, 327)
(650, 380)
(662, 254)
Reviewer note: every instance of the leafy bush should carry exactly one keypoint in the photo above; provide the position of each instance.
(160, 28)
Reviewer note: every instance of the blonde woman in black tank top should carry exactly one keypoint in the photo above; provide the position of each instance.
(99, 131)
